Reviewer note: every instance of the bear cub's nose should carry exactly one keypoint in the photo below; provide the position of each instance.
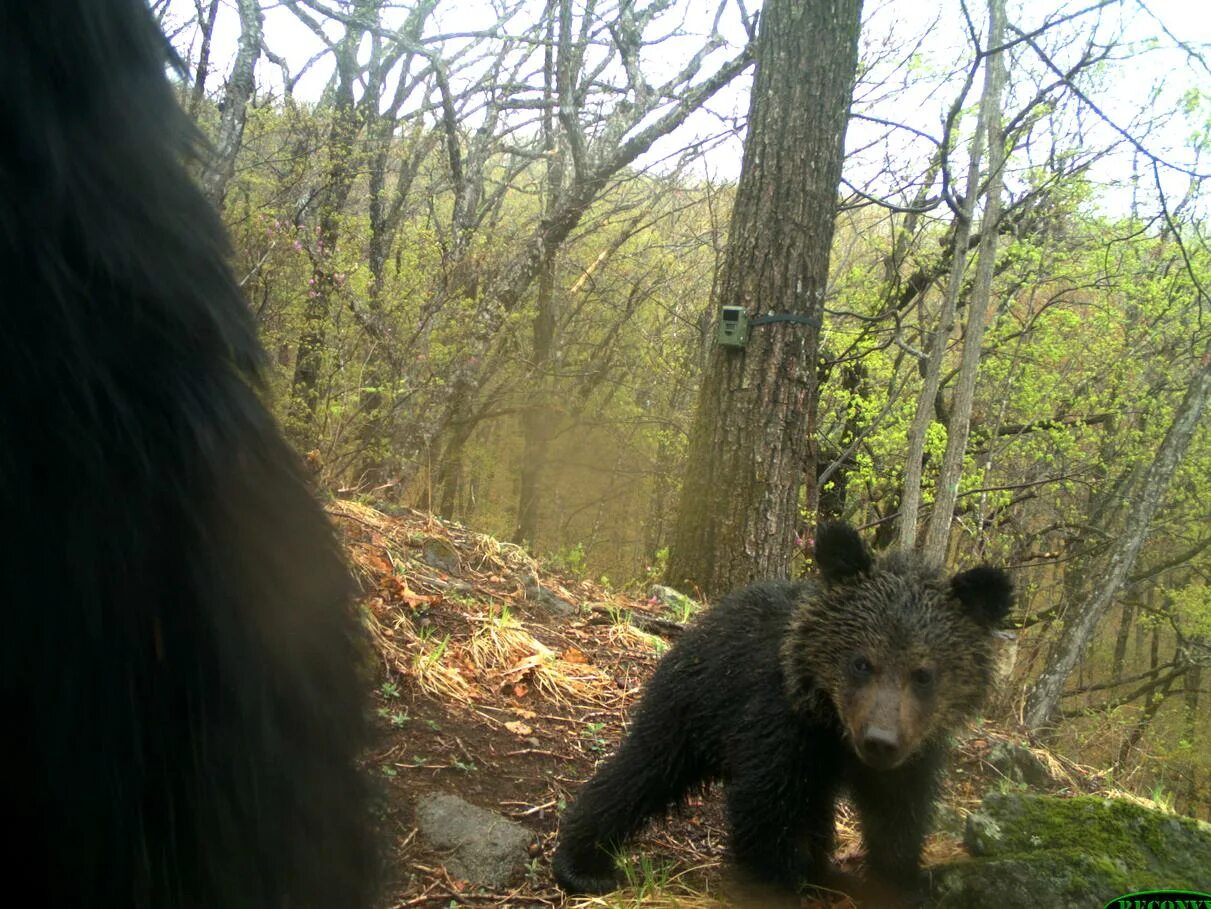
(881, 748)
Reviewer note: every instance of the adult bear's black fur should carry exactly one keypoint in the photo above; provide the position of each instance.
(792, 693)
(181, 708)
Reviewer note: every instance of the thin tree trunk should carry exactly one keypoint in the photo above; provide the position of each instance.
(1152, 706)
(914, 463)
(937, 534)
(240, 87)
(1120, 641)
(749, 451)
(538, 418)
(1194, 681)
(375, 469)
(450, 476)
(1044, 697)
(206, 21)
(342, 167)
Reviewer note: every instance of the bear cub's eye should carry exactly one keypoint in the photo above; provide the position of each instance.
(923, 677)
(860, 666)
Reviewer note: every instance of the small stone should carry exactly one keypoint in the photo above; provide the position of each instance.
(478, 846)
(440, 553)
(544, 599)
(1019, 765)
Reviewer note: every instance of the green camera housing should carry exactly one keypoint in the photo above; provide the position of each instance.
(733, 326)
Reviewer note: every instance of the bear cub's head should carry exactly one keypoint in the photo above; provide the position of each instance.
(901, 653)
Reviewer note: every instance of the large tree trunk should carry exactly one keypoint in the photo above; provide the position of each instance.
(1044, 698)
(749, 452)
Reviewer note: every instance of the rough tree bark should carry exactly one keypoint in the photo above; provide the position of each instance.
(749, 452)
(1044, 698)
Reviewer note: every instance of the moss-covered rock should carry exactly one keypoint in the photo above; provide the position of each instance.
(1044, 852)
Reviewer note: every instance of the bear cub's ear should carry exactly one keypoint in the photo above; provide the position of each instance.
(840, 553)
(985, 592)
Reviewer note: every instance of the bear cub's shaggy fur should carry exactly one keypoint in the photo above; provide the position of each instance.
(792, 693)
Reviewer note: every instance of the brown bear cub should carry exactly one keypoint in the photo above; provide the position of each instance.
(792, 694)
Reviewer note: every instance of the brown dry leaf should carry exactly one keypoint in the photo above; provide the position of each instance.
(520, 690)
(378, 563)
(574, 655)
(519, 728)
(524, 666)
(416, 600)
(396, 588)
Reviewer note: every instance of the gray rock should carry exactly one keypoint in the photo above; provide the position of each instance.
(440, 553)
(1019, 765)
(544, 599)
(479, 846)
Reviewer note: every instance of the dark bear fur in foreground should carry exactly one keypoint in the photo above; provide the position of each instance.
(182, 711)
(791, 694)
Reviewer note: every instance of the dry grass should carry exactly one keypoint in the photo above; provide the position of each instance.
(482, 644)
